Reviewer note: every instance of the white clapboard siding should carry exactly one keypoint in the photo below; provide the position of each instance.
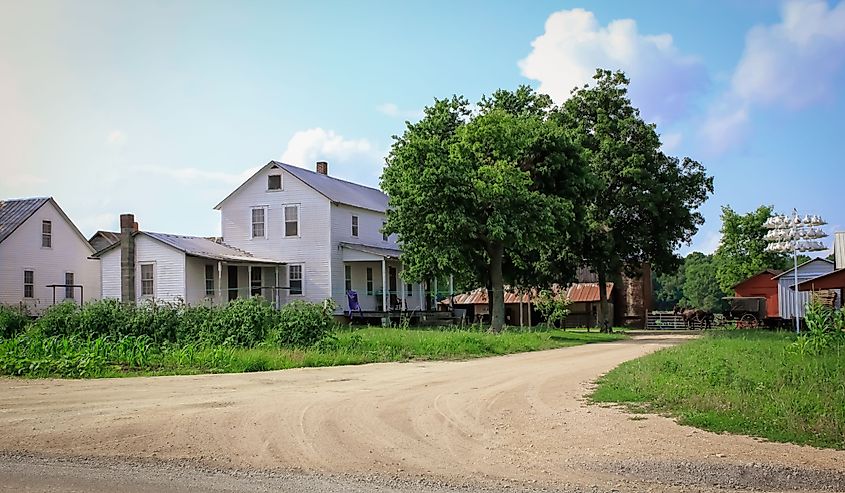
(69, 253)
(169, 270)
(312, 248)
(786, 295)
(839, 249)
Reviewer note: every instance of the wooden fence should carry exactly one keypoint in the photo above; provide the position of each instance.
(669, 321)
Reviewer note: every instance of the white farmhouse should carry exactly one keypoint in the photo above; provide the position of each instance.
(327, 232)
(44, 259)
(142, 265)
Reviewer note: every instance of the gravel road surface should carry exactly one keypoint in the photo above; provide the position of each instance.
(510, 423)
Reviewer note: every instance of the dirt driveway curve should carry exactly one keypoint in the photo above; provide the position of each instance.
(515, 421)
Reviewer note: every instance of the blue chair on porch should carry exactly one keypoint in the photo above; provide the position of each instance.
(354, 306)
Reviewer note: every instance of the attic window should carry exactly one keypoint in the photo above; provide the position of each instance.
(274, 182)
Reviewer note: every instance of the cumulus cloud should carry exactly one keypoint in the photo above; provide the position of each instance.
(190, 175)
(792, 64)
(796, 62)
(356, 160)
(574, 44)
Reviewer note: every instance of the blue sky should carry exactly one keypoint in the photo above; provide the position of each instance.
(162, 108)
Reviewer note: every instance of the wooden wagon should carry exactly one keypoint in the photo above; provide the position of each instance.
(746, 311)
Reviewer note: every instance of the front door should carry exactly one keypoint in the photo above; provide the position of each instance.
(233, 282)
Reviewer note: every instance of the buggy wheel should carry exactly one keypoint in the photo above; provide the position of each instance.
(747, 321)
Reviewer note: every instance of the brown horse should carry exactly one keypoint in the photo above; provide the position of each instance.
(692, 315)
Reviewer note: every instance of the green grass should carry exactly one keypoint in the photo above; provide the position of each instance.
(747, 382)
(35, 355)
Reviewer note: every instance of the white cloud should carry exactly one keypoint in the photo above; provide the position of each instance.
(356, 160)
(190, 175)
(792, 64)
(117, 137)
(574, 44)
(725, 128)
(106, 221)
(796, 62)
(393, 111)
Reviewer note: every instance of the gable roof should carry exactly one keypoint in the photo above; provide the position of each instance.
(111, 237)
(771, 272)
(817, 259)
(579, 292)
(198, 246)
(14, 212)
(334, 189)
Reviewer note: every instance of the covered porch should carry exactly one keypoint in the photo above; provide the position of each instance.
(374, 274)
(217, 281)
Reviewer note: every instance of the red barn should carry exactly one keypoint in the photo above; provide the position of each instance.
(762, 285)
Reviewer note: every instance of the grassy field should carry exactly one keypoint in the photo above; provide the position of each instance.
(748, 382)
(34, 355)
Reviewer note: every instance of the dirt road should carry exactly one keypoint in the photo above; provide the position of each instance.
(512, 422)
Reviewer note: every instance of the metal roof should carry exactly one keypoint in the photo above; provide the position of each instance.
(802, 265)
(334, 189)
(583, 292)
(197, 246)
(375, 250)
(15, 212)
(831, 280)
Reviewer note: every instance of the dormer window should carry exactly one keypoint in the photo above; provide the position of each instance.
(274, 182)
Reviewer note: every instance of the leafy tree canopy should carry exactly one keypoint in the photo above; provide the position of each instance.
(489, 197)
(645, 202)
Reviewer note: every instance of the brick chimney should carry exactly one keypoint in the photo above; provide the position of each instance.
(323, 167)
(128, 226)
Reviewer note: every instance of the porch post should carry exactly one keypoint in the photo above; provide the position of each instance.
(451, 291)
(422, 305)
(520, 308)
(249, 281)
(219, 282)
(276, 300)
(434, 296)
(384, 284)
(402, 306)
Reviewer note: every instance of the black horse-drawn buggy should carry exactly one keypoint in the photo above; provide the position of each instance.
(747, 312)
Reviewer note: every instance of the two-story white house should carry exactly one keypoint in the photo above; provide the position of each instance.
(43, 256)
(327, 232)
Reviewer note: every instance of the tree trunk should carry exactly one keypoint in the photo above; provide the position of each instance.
(497, 291)
(603, 319)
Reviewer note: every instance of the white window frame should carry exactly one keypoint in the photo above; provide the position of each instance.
(70, 290)
(356, 224)
(48, 235)
(301, 280)
(252, 224)
(371, 286)
(141, 279)
(25, 284)
(281, 183)
(285, 221)
(212, 292)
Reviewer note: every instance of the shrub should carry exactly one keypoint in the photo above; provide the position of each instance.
(59, 320)
(303, 324)
(243, 322)
(12, 321)
(553, 308)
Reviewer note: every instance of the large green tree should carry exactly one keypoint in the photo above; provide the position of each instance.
(701, 289)
(645, 202)
(468, 192)
(742, 249)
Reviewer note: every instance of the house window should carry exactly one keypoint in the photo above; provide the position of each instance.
(147, 282)
(369, 280)
(258, 222)
(274, 182)
(409, 288)
(347, 269)
(29, 284)
(255, 281)
(209, 280)
(69, 285)
(46, 234)
(295, 279)
(292, 220)
(354, 225)
(383, 232)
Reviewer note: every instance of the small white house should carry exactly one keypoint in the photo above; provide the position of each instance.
(327, 232)
(143, 265)
(810, 269)
(44, 258)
